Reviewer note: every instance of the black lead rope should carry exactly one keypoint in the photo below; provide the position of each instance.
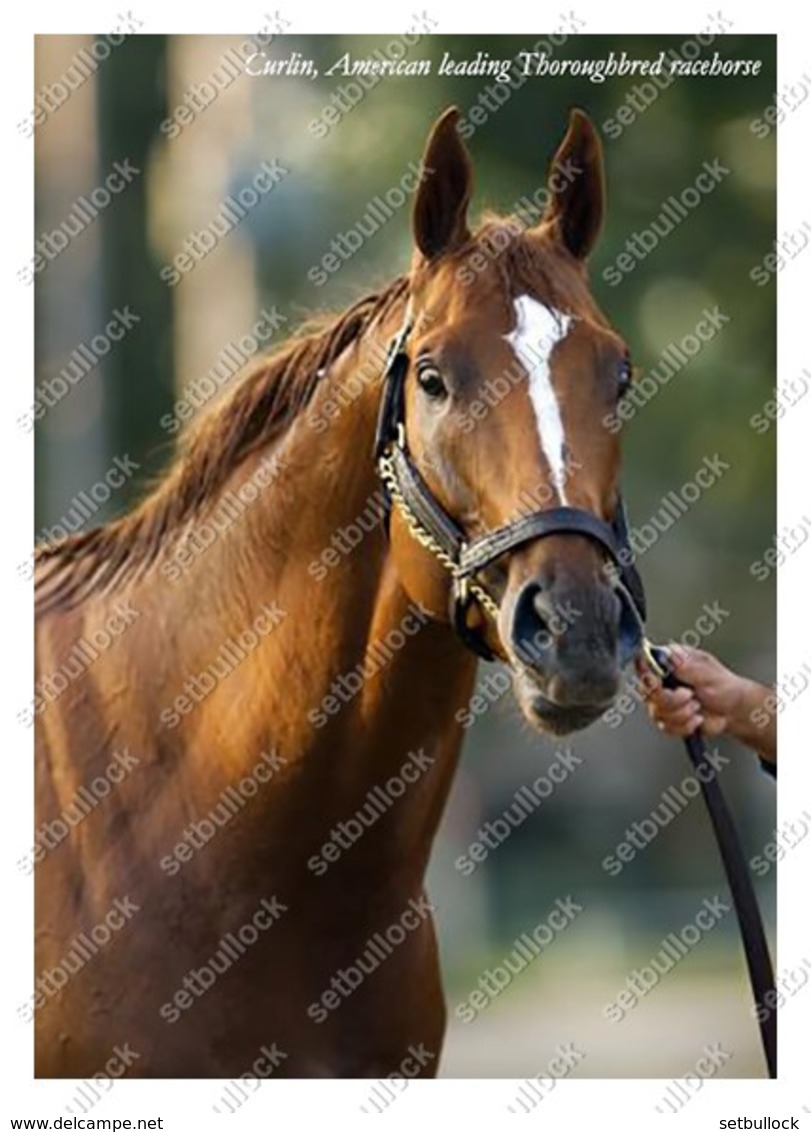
(750, 921)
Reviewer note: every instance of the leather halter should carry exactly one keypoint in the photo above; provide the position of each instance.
(464, 558)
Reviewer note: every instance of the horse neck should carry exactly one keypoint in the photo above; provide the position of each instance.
(355, 680)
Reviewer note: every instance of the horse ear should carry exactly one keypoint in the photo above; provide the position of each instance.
(440, 210)
(577, 187)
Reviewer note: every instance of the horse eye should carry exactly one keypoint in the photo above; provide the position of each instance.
(625, 377)
(430, 380)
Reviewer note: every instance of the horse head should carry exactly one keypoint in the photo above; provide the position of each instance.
(508, 373)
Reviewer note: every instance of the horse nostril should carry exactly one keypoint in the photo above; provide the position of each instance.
(546, 612)
(535, 625)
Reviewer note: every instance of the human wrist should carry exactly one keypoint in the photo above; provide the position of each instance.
(750, 719)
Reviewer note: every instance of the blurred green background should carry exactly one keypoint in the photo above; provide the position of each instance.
(705, 409)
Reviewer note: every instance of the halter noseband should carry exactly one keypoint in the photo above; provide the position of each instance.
(433, 528)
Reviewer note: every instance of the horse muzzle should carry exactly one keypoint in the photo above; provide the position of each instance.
(568, 646)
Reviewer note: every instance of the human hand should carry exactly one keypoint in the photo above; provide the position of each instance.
(711, 698)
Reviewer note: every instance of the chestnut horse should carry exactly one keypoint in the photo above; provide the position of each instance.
(254, 664)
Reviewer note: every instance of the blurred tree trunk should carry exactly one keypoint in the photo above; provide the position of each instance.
(131, 104)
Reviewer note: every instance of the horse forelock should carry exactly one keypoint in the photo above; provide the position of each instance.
(530, 261)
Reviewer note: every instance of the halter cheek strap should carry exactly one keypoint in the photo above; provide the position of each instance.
(440, 534)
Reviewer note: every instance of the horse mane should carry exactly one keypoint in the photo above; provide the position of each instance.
(267, 399)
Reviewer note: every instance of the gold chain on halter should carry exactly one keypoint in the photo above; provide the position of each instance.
(426, 539)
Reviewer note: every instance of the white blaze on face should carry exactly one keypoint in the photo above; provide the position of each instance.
(537, 331)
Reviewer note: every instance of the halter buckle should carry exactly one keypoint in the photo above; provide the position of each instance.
(461, 584)
(656, 657)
